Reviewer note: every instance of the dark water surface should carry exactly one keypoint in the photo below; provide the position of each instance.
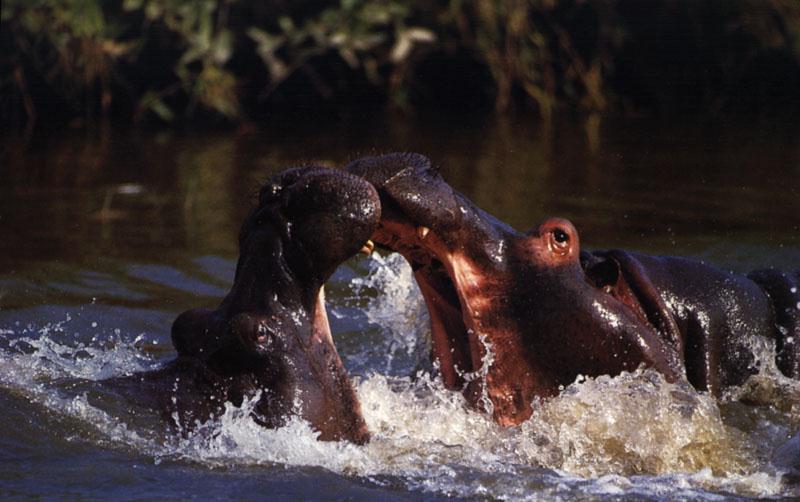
(106, 236)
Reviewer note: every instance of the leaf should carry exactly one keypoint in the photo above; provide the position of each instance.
(216, 89)
(130, 5)
(191, 55)
(153, 11)
(115, 49)
(338, 39)
(263, 40)
(151, 101)
(222, 47)
(406, 40)
(376, 14)
(366, 41)
(267, 44)
(162, 110)
(349, 57)
(286, 24)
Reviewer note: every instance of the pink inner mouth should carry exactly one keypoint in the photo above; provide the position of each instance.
(460, 305)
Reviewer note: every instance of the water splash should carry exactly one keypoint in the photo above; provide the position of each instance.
(769, 387)
(394, 306)
(487, 359)
(50, 352)
(635, 433)
(42, 363)
(634, 423)
(631, 435)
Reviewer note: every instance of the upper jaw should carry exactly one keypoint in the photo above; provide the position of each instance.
(410, 189)
(421, 235)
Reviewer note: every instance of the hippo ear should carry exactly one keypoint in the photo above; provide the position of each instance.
(195, 334)
(623, 276)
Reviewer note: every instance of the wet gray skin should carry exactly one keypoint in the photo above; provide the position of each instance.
(550, 312)
(270, 334)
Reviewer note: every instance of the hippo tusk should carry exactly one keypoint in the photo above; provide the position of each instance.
(422, 232)
(367, 248)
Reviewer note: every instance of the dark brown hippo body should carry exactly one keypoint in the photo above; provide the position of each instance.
(710, 315)
(270, 335)
(549, 313)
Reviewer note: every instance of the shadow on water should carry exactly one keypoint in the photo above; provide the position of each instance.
(108, 234)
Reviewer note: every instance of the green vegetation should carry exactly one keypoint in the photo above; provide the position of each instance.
(239, 59)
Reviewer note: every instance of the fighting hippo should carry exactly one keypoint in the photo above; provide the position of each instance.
(270, 334)
(548, 312)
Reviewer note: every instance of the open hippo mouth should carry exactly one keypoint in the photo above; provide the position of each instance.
(271, 332)
(500, 301)
(455, 250)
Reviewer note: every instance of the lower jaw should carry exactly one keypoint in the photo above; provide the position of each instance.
(461, 356)
(458, 352)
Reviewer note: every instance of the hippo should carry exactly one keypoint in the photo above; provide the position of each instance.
(516, 316)
(270, 335)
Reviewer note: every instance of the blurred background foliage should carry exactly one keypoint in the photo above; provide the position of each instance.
(241, 60)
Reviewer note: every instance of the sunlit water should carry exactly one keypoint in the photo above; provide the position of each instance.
(99, 260)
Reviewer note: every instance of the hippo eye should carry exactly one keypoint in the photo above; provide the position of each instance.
(560, 236)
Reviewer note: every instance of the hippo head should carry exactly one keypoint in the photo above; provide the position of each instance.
(308, 221)
(439, 231)
(271, 332)
(514, 316)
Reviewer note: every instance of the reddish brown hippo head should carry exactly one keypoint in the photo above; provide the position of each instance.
(271, 332)
(513, 316)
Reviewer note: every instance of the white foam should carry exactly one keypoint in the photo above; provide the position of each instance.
(632, 435)
(51, 353)
(33, 365)
(394, 305)
(635, 433)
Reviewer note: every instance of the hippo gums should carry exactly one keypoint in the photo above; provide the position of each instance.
(516, 316)
(270, 334)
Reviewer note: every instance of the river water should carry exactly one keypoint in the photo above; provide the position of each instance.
(107, 235)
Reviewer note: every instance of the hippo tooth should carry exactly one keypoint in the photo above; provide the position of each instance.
(422, 232)
(368, 247)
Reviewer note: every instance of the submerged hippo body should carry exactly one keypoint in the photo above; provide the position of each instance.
(549, 312)
(709, 316)
(270, 335)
